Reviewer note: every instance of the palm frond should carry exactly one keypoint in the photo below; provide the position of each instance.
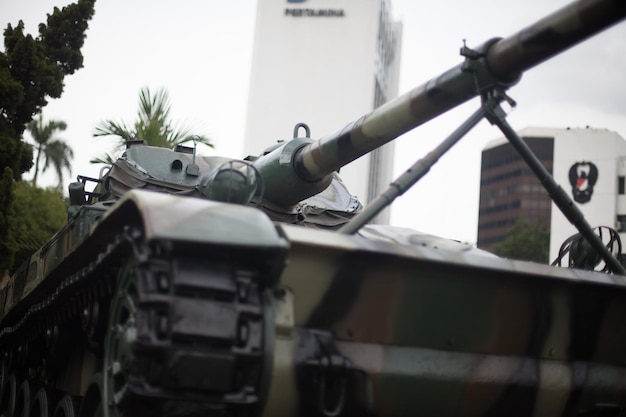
(42, 133)
(55, 151)
(112, 128)
(153, 125)
(60, 155)
(106, 159)
(194, 138)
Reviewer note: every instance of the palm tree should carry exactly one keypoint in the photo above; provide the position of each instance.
(153, 125)
(54, 150)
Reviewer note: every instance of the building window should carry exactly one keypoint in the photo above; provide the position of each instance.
(620, 185)
(621, 223)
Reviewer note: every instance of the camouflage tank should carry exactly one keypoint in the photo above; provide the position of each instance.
(186, 285)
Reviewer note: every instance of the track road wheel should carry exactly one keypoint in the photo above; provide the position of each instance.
(66, 407)
(121, 335)
(39, 406)
(4, 374)
(91, 403)
(22, 402)
(9, 394)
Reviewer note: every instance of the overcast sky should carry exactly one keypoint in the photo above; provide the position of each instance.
(201, 50)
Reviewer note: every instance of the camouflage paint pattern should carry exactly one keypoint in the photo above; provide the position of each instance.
(449, 333)
(504, 61)
(389, 322)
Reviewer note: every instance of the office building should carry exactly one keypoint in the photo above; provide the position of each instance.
(589, 164)
(509, 189)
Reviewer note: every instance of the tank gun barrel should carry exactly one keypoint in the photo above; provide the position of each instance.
(498, 62)
(552, 35)
(504, 59)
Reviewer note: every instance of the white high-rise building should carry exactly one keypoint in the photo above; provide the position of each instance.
(325, 63)
(591, 165)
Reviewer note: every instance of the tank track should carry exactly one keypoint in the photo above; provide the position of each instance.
(176, 328)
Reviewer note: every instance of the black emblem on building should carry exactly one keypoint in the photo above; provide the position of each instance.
(582, 177)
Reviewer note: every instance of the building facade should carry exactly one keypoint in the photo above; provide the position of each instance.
(325, 63)
(589, 164)
(509, 189)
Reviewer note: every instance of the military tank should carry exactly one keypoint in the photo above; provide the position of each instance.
(185, 285)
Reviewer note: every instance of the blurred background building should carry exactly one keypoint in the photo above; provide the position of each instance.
(589, 164)
(324, 63)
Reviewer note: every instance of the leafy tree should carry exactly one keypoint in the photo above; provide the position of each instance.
(54, 150)
(153, 125)
(31, 70)
(38, 214)
(526, 241)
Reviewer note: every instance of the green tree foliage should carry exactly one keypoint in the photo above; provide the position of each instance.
(526, 241)
(54, 151)
(153, 125)
(37, 214)
(31, 70)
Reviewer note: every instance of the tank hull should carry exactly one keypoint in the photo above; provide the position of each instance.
(204, 308)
